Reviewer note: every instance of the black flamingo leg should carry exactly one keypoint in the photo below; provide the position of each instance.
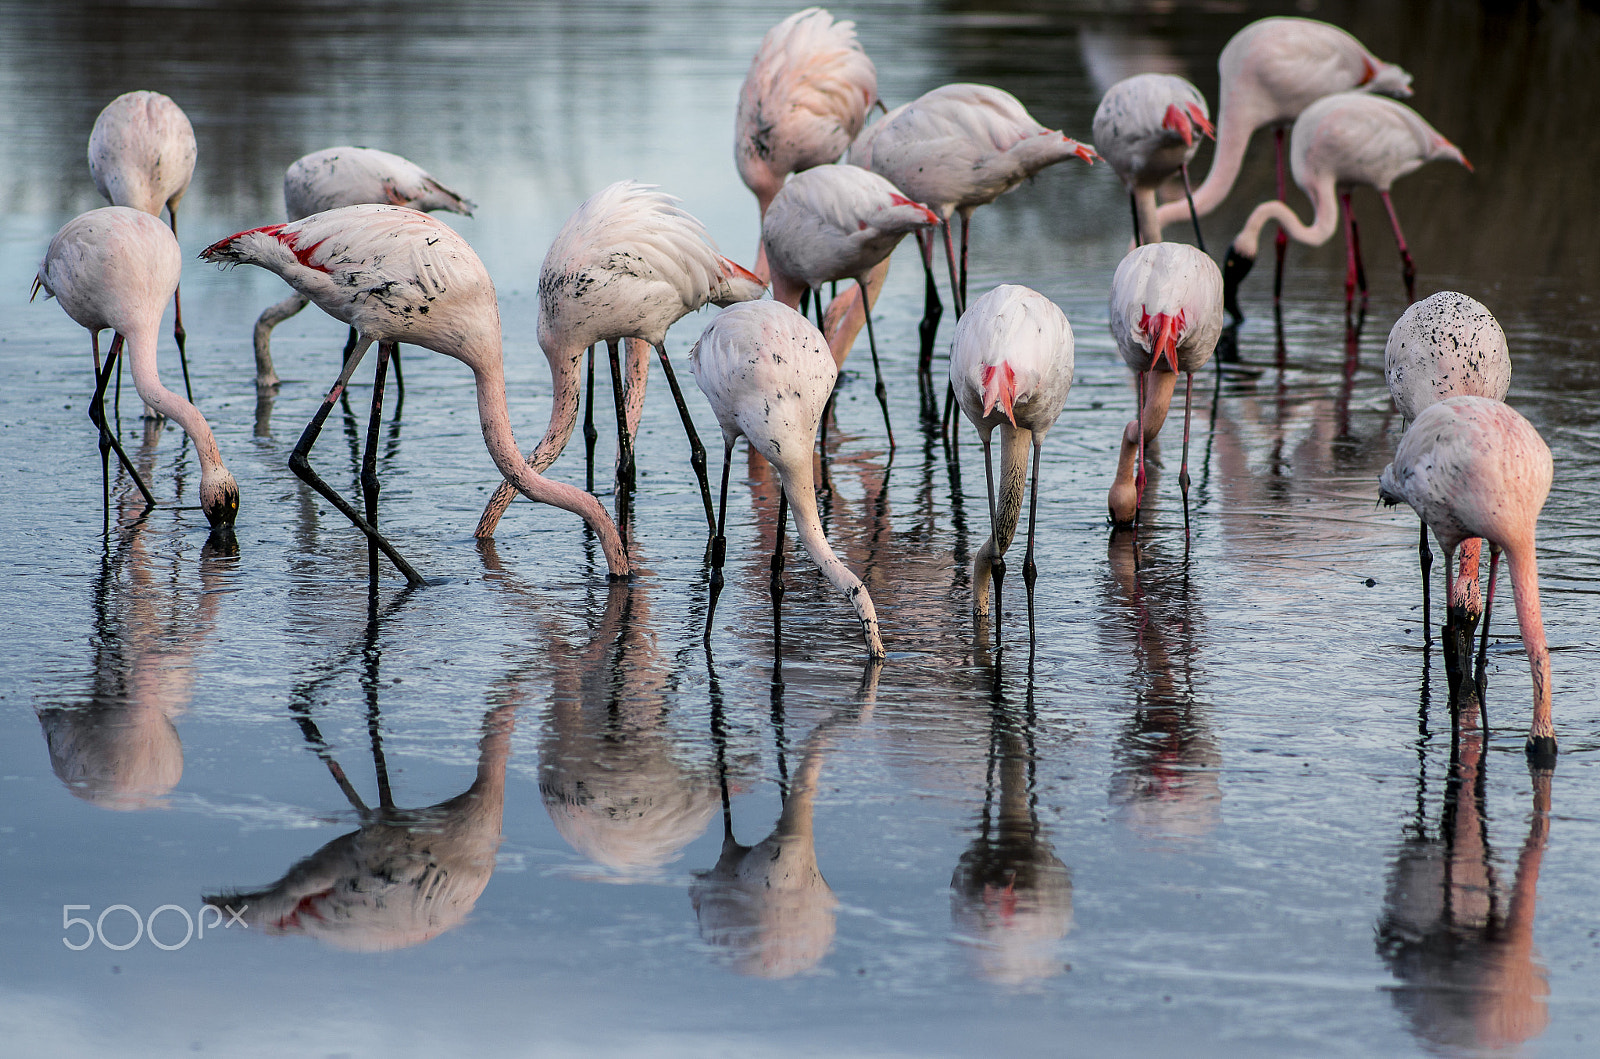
(1425, 560)
(932, 307)
(108, 438)
(997, 562)
(1030, 572)
(300, 464)
(1281, 241)
(369, 460)
(697, 451)
(719, 543)
(1481, 676)
(590, 434)
(880, 389)
(627, 476)
(1194, 215)
(178, 333)
(1183, 472)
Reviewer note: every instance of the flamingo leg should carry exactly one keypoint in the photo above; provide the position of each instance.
(590, 434)
(697, 451)
(369, 461)
(627, 476)
(955, 275)
(775, 581)
(997, 562)
(1194, 215)
(1449, 593)
(1350, 265)
(806, 294)
(1425, 557)
(1138, 477)
(399, 380)
(880, 389)
(1183, 471)
(300, 464)
(1408, 268)
(1483, 641)
(108, 438)
(1030, 572)
(1133, 205)
(719, 543)
(932, 308)
(966, 230)
(178, 333)
(1281, 240)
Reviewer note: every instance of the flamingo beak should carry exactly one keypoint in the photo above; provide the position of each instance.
(999, 388)
(927, 215)
(1202, 122)
(1082, 150)
(1177, 121)
(734, 270)
(1164, 330)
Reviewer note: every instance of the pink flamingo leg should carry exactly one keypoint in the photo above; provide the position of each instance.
(1408, 268)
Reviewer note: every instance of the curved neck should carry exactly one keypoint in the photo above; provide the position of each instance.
(495, 419)
(1319, 231)
(566, 363)
(1233, 136)
(1525, 584)
(800, 488)
(142, 356)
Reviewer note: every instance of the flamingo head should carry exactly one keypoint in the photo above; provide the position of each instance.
(1384, 78)
(1163, 331)
(1082, 150)
(1185, 121)
(902, 215)
(219, 499)
(1443, 148)
(999, 388)
(739, 284)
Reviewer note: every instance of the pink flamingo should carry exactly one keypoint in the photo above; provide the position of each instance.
(806, 96)
(629, 263)
(837, 222)
(1474, 467)
(768, 374)
(397, 275)
(1166, 317)
(1338, 142)
(1270, 71)
(1147, 128)
(116, 267)
(347, 176)
(141, 154)
(1011, 367)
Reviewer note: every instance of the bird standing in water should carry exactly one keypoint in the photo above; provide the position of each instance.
(397, 275)
(767, 372)
(1011, 367)
(141, 154)
(116, 267)
(1474, 467)
(1147, 128)
(347, 176)
(1166, 317)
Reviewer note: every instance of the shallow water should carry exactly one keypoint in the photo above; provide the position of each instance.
(1218, 812)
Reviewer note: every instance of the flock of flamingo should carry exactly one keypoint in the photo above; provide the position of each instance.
(836, 196)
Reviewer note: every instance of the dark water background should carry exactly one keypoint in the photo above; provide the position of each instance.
(1222, 793)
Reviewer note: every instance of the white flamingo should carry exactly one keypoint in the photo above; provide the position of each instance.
(141, 154)
(1147, 128)
(1166, 317)
(837, 222)
(804, 99)
(116, 267)
(346, 176)
(398, 275)
(1445, 346)
(628, 264)
(767, 372)
(1270, 71)
(1011, 367)
(1474, 467)
(1338, 142)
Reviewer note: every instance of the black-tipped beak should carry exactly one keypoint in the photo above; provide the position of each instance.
(1235, 267)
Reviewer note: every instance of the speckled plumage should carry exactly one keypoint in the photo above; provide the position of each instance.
(1132, 134)
(350, 176)
(1446, 345)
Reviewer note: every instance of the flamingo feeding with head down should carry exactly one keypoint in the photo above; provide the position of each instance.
(768, 374)
(954, 149)
(347, 176)
(803, 100)
(141, 154)
(398, 275)
(116, 267)
(1166, 317)
(1474, 467)
(1338, 142)
(1447, 345)
(629, 263)
(837, 222)
(1147, 128)
(1010, 367)
(1270, 71)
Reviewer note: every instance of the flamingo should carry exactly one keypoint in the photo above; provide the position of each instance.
(837, 222)
(1010, 367)
(1270, 71)
(767, 372)
(1474, 467)
(1444, 346)
(804, 99)
(398, 275)
(629, 263)
(954, 149)
(116, 267)
(347, 176)
(1166, 316)
(1337, 142)
(141, 154)
(1147, 128)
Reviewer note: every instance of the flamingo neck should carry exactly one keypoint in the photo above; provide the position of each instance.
(566, 364)
(1015, 443)
(1233, 136)
(495, 418)
(1148, 215)
(1319, 231)
(1525, 585)
(800, 488)
(785, 288)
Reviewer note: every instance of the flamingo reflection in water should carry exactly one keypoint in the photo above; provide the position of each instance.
(1010, 895)
(1470, 979)
(767, 907)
